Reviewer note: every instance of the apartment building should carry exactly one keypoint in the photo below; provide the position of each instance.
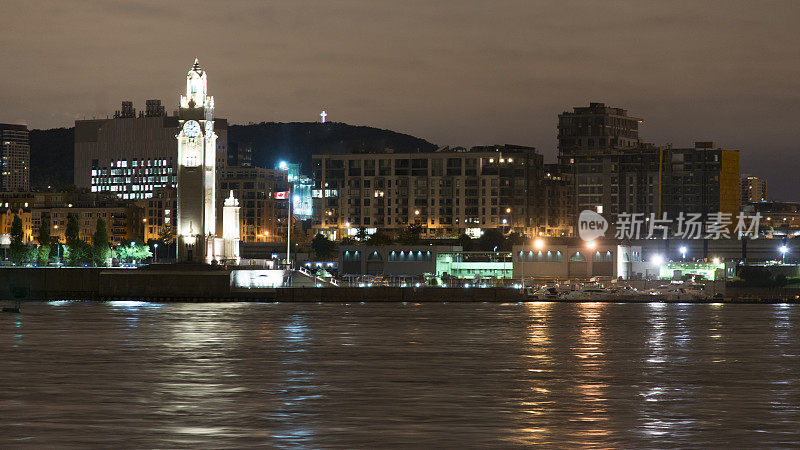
(447, 192)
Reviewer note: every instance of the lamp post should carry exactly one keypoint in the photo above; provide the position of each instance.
(783, 249)
(155, 252)
(683, 253)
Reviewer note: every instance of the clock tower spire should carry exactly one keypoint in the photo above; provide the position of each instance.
(196, 225)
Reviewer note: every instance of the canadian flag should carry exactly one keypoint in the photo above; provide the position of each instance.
(284, 195)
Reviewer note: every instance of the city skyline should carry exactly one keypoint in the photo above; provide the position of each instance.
(497, 76)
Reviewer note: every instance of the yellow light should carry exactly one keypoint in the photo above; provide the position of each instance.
(539, 244)
(716, 260)
(508, 210)
(144, 220)
(591, 245)
(416, 212)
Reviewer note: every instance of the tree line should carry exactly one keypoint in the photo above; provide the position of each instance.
(75, 251)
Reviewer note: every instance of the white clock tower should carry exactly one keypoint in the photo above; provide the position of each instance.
(196, 226)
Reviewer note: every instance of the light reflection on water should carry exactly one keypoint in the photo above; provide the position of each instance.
(374, 375)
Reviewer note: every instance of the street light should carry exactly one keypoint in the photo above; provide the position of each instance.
(683, 252)
(155, 252)
(783, 249)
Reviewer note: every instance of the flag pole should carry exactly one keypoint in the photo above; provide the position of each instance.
(289, 230)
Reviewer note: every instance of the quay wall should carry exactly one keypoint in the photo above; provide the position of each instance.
(215, 285)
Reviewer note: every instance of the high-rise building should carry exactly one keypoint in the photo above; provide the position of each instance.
(752, 189)
(596, 128)
(132, 156)
(15, 158)
(447, 192)
(594, 144)
(701, 179)
(612, 171)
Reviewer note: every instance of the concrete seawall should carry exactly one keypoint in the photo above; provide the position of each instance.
(177, 284)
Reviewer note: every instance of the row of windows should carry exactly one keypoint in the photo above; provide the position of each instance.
(556, 256)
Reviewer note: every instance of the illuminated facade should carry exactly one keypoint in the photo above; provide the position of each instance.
(159, 215)
(475, 265)
(196, 226)
(752, 189)
(230, 228)
(123, 219)
(132, 156)
(197, 223)
(448, 192)
(302, 186)
(15, 158)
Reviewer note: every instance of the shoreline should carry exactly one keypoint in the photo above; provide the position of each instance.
(294, 299)
(216, 286)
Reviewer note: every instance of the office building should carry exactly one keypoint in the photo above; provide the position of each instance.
(752, 189)
(130, 155)
(448, 192)
(15, 158)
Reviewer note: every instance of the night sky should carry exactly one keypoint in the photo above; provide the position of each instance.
(453, 72)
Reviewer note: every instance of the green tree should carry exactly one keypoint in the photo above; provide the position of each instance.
(410, 235)
(133, 252)
(361, 234)
(100, 249)
(379, 238)
(323, 247)
(44, 241)
(167, 235)
(17, 249)
(465, 242)
(73, 252)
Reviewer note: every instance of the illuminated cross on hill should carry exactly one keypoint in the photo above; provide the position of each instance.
(323, 114)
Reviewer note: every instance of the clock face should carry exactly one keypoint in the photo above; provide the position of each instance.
(191, 129)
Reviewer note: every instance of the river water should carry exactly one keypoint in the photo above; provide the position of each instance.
(127, 374)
